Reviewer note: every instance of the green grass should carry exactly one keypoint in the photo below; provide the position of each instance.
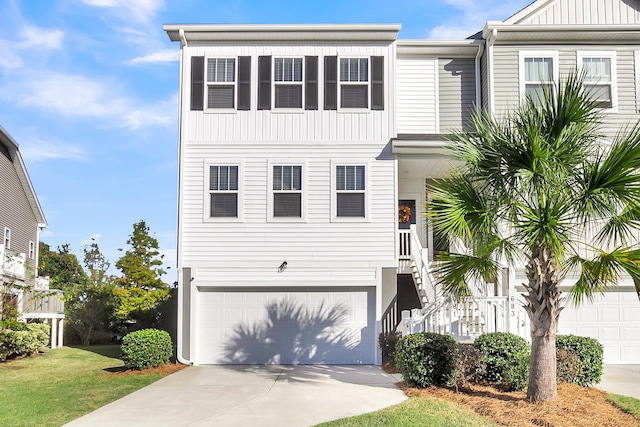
(416, 411)
(63, 384)
(629, 405)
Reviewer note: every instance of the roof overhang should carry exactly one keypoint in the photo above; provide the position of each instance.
(426, 145)
(499, 31)
(282, 32)
(441, 48)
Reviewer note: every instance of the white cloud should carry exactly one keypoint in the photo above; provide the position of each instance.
(135, 11)
(34, 37)
(91, 238)
(35, 150)
(473, 15)
(47, 233)
(80, 96)
(165, 55)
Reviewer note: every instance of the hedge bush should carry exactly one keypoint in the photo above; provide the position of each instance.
(589, 353)
(567, 367)
(26, 340)
(507, 359)
(387, 342)
(426, 359)
(471, 367)
(146, 348)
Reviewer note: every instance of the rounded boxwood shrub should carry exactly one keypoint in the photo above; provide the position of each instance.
(425, 359)
(507, 359)
(146, 348)
(567, 367)
(589, 352)
(387, 342)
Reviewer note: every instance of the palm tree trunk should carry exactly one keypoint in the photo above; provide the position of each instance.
(543, 307)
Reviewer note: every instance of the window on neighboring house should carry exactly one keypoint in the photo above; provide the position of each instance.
(354, 82)
(223, 190)
(221, 83)
(537, 73)
(350, 191)
(287, 191)
(32, 250)
(599, 76)
(287, 79)
(7, 238)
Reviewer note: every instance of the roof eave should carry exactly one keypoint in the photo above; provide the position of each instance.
(458, 48)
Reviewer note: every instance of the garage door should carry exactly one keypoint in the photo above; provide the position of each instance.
(287, 326)
(613, 319)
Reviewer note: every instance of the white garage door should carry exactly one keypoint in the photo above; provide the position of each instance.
(613, 319)
(285, 325)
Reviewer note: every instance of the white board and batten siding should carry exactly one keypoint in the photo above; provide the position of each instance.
(589, 12)
(417, 95)
(274, 125)
(457, 92)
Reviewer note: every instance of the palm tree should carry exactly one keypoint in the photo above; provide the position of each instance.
(541, 187)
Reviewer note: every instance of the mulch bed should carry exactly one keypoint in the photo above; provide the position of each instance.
(576, 406)
(166, 369)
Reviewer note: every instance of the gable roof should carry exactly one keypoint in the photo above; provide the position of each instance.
(16, 159)
(578, 12)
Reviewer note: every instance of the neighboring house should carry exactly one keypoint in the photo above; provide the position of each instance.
(21, 219)
(305, 152)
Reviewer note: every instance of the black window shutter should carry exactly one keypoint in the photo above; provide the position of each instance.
(197, 83)
(264, 83)
(311, 82)
(244, 83)
(377, 83)
(330, 82)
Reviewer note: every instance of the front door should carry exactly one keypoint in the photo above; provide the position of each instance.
(406, 213)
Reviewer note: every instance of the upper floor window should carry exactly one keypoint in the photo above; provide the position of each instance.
(7, 238)
(350, 191)
(598, 69)
(221, 83)
(538, 72)
(223, 191)
(287, 191)
(354, 82)
(287, 79)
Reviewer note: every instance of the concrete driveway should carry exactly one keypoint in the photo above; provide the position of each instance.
(252, 396)
(621, 379)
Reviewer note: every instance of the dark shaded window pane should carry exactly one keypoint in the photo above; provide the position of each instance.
(287, 205)
(224, 205)
(220, 97)
(288, 96)
(354, 96)
(600, 94)
(350, 205)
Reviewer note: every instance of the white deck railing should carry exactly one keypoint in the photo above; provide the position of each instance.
(12, 263)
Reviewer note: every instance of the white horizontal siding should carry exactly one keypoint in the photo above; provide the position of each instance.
(300, 125)
(506, 87)
(417, 95)
(587, 12)
(317, 237)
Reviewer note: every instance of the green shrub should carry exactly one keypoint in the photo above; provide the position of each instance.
(41, 333)
(387, 342)
(507, 359)
(23, 342)
(567, 367)
(146, 348)
(426, 359)
(589, 352)
(471, 367)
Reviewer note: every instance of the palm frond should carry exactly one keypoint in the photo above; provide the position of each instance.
(455, 272)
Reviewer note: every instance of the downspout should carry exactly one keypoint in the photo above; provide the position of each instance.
(479, 77)
(490, 83)
(179, 338)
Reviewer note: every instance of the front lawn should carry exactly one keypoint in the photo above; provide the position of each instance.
(64, 384)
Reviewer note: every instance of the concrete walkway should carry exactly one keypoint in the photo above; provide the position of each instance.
(621, 379)
(253, 396)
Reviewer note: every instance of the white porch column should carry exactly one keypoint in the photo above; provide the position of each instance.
(54, 332)
(60, 332)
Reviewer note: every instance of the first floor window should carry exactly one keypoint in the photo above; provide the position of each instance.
(350, 191)
(223, 189)
(287, 191)
(221, 80)
(354, 82)
(7, 238)
(598, 69)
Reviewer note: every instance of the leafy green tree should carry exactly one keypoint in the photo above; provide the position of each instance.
(541, 187)
(62, 267)
(140, 289)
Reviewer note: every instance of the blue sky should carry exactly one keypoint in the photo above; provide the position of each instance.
(89, 89)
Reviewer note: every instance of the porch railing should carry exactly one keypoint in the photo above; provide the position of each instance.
(42, 302)
(12, 263)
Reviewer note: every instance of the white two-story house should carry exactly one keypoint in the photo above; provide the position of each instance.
(306, 152)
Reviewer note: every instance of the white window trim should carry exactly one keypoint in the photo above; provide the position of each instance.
(270, 192)
(367, 191)
(303, 84)
(207, 84)
(553, 54)
(6, 241)
(32, 249)
(612, 55)
(206, 195)
(340, 83)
